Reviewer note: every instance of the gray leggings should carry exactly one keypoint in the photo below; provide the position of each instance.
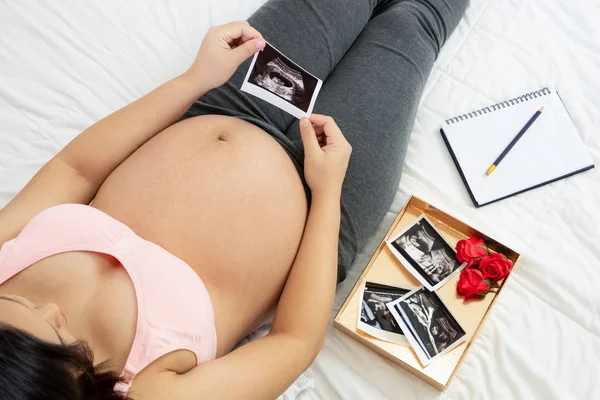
(374, 58)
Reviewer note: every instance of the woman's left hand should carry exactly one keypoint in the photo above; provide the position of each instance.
(222, 51)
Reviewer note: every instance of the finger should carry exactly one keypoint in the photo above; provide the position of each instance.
(321, 137)
(328, 125)
(251, 33)
(323, 121)
(239, 30)
(308, 135)
(320, 119)
(319, 129)
(248, 49)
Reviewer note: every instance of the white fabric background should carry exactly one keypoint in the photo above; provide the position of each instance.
(66, 64)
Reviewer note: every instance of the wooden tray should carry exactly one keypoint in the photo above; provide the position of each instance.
(385, 268)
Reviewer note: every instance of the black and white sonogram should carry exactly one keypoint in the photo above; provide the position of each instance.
(278, 80)
(427, 323)
(424, 253)
(374, 316)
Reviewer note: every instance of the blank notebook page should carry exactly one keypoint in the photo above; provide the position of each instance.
(550, 149)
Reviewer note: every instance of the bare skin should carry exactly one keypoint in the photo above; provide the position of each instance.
(215, 191)
(223, 196)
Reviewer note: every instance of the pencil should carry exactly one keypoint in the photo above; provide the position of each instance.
(514, 141)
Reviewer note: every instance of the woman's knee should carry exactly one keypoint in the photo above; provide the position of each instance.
(430, 20)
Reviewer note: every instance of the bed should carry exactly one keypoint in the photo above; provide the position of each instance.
(66, 64)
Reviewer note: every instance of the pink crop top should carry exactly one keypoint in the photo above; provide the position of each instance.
(174, 310)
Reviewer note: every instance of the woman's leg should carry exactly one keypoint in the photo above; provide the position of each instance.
(373, 94)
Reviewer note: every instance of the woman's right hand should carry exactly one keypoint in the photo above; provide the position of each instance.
(222, 51)
(326, 154)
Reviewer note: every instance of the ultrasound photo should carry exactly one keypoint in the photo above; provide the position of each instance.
(374, 316)
(425, 254)
(278, 80)
(428, 324)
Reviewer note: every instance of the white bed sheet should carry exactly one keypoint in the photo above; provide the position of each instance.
(66, 64)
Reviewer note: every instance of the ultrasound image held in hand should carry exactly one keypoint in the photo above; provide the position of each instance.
(279, 75)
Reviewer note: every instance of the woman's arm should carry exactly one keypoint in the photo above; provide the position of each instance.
(101, 148)
(265, 368)
(307, 300)
(76, 173)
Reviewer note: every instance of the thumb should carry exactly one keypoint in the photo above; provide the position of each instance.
(248, 49)
(309, 137)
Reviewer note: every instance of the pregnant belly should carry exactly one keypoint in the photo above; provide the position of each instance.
(222, 195)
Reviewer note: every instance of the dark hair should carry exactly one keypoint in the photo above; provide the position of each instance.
(32, 369)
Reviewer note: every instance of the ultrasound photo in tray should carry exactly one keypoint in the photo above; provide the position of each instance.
(278, 80)
(425, 254)
(427, 323)
(375, 318)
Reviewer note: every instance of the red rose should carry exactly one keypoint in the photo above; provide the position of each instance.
(495, 267)
(471, 250)
(472, 284)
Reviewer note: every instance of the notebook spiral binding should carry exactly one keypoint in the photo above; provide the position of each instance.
(485, 110)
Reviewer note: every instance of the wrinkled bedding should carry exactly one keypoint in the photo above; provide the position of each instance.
(66, 64)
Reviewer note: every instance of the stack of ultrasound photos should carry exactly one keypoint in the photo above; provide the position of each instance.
(415, 316)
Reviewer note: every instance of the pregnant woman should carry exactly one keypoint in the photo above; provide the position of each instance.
(210, 209)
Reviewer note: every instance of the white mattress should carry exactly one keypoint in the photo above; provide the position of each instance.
(64, 65)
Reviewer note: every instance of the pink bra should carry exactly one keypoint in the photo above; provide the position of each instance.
(174, 310)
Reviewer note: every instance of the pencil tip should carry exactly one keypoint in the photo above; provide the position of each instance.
(541, 109)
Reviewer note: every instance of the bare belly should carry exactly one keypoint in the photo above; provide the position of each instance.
(222, 195)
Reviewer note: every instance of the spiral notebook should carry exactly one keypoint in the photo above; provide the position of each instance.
(550, 150)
